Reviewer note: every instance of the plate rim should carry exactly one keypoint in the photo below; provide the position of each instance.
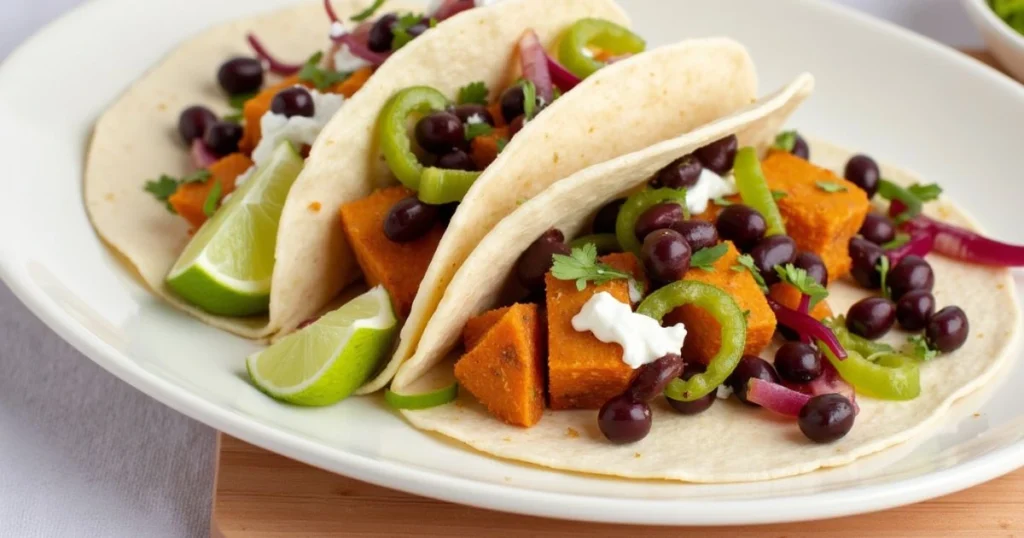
(511, 498)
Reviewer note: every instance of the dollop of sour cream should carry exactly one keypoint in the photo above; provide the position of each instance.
(346, 62)
(643, 339)
(299, 130)
(709, 186)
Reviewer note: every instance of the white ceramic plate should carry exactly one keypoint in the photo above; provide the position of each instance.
(880, 89)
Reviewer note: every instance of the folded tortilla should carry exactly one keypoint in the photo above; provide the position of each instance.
(730, 442)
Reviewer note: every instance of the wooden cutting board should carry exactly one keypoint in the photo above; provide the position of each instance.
(259, 494)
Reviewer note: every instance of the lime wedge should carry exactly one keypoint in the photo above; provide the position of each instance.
(326, 361)
(225, 269)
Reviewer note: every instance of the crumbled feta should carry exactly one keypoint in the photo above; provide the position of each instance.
(642, 338)
(475, 119)
(346, 62)
(337, 30)
(723, 392)
(298, 130)
(709, 186)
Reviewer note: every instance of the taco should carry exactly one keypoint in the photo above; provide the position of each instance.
(631, 319)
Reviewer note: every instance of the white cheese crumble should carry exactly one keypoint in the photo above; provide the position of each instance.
(298, 130)
(723, 392)
(337, 30)
(643, 339)
(346, 62)
(475, 119)
(709, 186)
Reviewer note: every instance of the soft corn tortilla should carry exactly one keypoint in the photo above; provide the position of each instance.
(136, 139)
(730, 442)
(624, 107)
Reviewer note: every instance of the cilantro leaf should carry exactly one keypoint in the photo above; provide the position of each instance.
(778, 195)
(165, 186)
(210, 205)
(474, 130)
(582, 266)
(917, 347)
(368, 12)
(785, 141)
(830, 186)
(529, 100)
(926, 193)
(799, 279)
(883, 270)
(901, 239)
(237, 102)
(721, 201)
(746, 262)
(705, 258)
(473, 93)
(501, 144)
(400, 30)
(320, 77)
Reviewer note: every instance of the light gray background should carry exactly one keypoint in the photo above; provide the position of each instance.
(83, 454)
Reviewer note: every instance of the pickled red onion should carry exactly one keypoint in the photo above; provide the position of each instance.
(775, 397)
(564, 79)
(920, 244)
(357, 42)
(330, 12)
(533, 60)
(806, 326)
(450, 8)
(273, 64)
(201, 155)
(960, 243)
(829, 382)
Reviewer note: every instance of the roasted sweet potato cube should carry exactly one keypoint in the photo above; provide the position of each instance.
(505, 369)
(399, 267)
(477, 326)
(584, 372)
(189, 200)
(822, 211)
(787, 295)
(703, 333)
(255, 108)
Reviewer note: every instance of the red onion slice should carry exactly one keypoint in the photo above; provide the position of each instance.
(330, 12)
(201, 155)
(829, 382)
(967, 245)
(451, 8)
(533, 60)
(357, 43)
(775, 397)
(564, 79)
(273, 64)
(920, 244)
(806, 326)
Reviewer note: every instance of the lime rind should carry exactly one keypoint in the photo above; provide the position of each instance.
(328, 360)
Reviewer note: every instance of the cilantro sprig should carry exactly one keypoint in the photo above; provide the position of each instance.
(925, 193)
(705, 258)
(474, 130)
(582, 266)
(803, 282)
(917, 347)
(320, 77)
(785, 141)
(212, 199)
(883, 272)
(902, 238)
(400, 30)
(473, 93)
(745, 262)
(165, 186)
(368, 12)
(830, 186)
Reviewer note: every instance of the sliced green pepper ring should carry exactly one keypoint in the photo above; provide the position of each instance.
(425, 400)
(726, 312)
(393, 130)
(604, 243)
(441, 185)
(574, 50)
(754, 190)
(891, 377)
(852, 342)
(635, 206)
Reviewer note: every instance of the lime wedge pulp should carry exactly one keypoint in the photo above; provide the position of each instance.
(226, 268)
(326, 361)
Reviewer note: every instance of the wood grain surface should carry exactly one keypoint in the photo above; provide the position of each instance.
(259, 494)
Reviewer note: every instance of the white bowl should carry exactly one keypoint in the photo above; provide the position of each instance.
(1005, 43)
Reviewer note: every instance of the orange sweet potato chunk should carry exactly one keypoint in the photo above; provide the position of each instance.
(584, 372)
(787, 295)
(399, 267)
(353, 83)
(703, 333)
(484, 149)
(505, 369)
(819, 221)
(255, 108)
(477, 326)
(189, 199)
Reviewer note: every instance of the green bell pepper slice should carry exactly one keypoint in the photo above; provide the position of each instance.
(726, 312)
(890, 376)
(635, 206)
(754, 190)
(441, 185)
(573, 52)
(393, 130)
